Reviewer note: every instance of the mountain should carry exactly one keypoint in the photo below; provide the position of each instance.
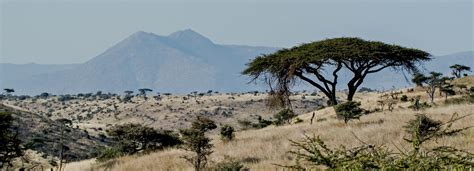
(181, 62)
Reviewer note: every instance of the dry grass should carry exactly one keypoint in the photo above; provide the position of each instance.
(261, 149)
(466, 81)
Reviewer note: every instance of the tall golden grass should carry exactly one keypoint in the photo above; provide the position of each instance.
(262, 149)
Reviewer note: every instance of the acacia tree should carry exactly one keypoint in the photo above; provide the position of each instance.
(143, 92)
(418, 79)
(458, 69)
(64, 125)
(195, 140)
(8, 91)
(319, 64)
(433, 81)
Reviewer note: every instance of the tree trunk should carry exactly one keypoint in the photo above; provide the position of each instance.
(332, 100)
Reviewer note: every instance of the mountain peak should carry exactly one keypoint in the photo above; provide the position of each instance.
(142, 34)
(190, 36)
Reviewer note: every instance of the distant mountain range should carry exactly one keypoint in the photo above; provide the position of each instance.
(181, 62)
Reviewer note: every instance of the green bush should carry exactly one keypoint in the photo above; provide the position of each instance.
(261, 123)
(404, 98)
(108, 153)
(348, 111)
(227, 133)
(132, 138)
(284, 116)
(203, 124)
(229, 164)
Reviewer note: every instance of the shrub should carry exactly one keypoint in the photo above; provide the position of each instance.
(229, 164)
(348, 110)
(284, 116)
(365, 89)
(227, 133)
(132, 138)
(313, 152)
(108, 153)
(404, 98)
(261, 123)
(203, 124)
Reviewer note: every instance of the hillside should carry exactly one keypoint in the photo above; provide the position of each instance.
(263, 148)
(42, 135)
(93, 114)
(171, 112)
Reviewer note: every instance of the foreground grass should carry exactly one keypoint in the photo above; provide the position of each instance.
(261, 149)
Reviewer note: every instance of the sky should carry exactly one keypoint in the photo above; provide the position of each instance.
(68, 31)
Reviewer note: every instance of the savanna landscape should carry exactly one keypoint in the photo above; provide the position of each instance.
(345, 101)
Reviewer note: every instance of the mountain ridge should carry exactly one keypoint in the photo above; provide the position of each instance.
(180, 62)
(183, 61)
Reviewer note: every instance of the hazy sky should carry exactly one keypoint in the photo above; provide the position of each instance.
(69, 31)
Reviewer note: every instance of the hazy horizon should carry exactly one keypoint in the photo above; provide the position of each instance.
(66, 32)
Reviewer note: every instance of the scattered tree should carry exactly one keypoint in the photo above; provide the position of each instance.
(284, 116)
(132, 138)
(143, 92)
(227, 133)
(44, 95)
(195, 140)
(418, 79)
(348, 110)
(433, 81)
(8, 91)
(128, 96)
(447, 90)
(65, 124)
(459, 69)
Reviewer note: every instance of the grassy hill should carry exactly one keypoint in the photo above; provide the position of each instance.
(42, 136)
(263, 149)
(257, 149)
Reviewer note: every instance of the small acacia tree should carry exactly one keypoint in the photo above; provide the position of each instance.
(64, 125)
(195, 140)
(348, 110)
(143, 92)
(418, 79)
(227, 133)
(433, 81)
(459, 69)
(319, 64)
(284, 116)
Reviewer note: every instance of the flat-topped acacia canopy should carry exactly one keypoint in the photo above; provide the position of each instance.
(307, 61)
